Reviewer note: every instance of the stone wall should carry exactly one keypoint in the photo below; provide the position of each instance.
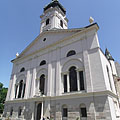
(97, 108)
(26, 114)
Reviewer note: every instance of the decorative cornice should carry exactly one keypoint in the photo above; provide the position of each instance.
(66, 96)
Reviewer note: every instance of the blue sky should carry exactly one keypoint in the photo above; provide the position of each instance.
(20, 25)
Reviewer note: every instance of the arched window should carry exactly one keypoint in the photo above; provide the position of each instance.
(64, 112)
(47, 21)
(73, 79)
(43, 63)
(61, 23)
(22, 69)
(20, 89)
(42, 83)
(70, 53)
(83, 111)
(11, 111)
(19, 111)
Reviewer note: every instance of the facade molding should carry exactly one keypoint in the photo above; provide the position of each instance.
(70, 95)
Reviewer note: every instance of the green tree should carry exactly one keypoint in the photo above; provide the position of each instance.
(3, 93)
(1, 86)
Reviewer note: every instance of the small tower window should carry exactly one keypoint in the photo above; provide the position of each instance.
(22, 69)
(61, 23)
(47, 21)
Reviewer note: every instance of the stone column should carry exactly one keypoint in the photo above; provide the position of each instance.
(10, 89)
(49, 84)
(33, 110)
(17, 90)
(58, 73)
(89, 87)
(42, 109)
(68, 83)
(28, 79)
(13, 87)
(62, 83)
(37, 84)
(32, 83)
(78, 80)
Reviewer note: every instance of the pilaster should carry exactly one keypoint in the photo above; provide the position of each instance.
(28, 79)
(49, 84)
(88, 76)
(58, 73)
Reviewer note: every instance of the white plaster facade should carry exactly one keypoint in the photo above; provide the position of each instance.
(52, 45)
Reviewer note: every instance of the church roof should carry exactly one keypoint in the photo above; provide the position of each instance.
(55, 3)
(57, 31)
(72, 29)
(108, 55)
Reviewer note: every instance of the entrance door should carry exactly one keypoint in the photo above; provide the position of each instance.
(39, 108)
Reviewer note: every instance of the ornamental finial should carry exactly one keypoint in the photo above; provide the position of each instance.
(91, 20)
(17, 54)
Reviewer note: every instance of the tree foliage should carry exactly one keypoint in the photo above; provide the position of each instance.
(3, 93)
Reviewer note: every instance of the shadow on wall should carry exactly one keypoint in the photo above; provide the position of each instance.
(101, 104)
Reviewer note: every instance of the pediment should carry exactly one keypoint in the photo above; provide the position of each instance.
(45, 39)
(49, 38)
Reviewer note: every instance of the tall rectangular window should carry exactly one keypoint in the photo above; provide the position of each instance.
(83, 112)
(19, 111)
(65, 83)
(24, 91)
(82, 87)
(65, 112)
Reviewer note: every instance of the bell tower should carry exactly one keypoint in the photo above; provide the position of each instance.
(53, 17)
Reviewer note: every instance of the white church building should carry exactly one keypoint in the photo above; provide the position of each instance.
(63, 74)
